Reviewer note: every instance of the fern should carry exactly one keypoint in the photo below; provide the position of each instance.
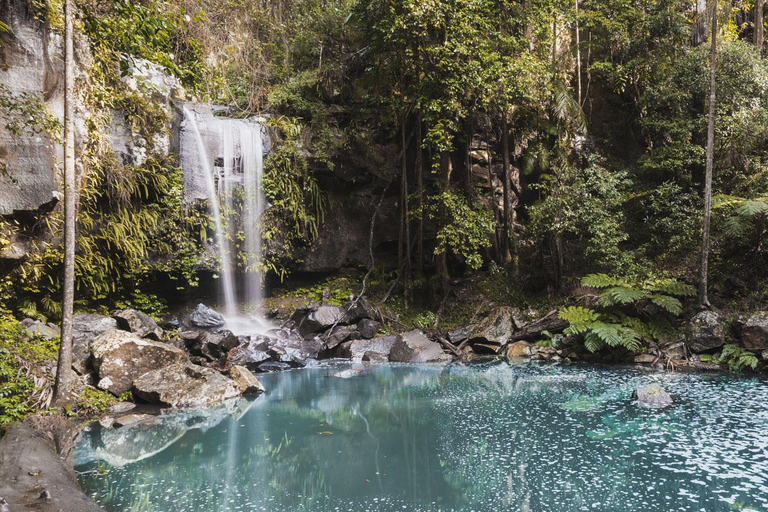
(743, 212)
(737, 358)
(610, 325)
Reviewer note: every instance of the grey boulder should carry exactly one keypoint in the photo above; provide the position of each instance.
(85, 328)
(754, 333)
(706, 331)
(185, 385)
(415, 347)
(653, 395)
(138, 323)
(205, 317)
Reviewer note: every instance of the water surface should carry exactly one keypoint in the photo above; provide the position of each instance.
(447, 438)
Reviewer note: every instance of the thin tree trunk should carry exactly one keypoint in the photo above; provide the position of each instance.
(420, 185)
(578, 54)
(406, 221)
(441, 259)
(759, 25)
(64, 376)
(703, 297)
(497, 234)
(505, 251)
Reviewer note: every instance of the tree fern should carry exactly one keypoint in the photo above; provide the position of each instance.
(616, 322)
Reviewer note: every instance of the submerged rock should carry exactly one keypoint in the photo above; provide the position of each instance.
(706, 331)
(185, 385)
(346, 374)
(415, 347)
(120, 357)
(754, 333)
(653, 395)
(138, 323)
(205, 317)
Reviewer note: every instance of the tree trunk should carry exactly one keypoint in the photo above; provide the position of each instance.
(406, 221)
(578, 54)
(420, 187)
(703, 297)
(505, 251)
(441, 259)
(64, 375)
(759, 25)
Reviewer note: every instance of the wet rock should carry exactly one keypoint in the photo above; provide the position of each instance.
(246, 382)
(374, 357)
(138, 323)
(495, 329)
(338, 335)
(321, 320)
(346, 374)
(121, 407)
(120, 357)
(645, 358)
(520, 349)
(368, 328)
(459, 335)
(131, 420)
(38, 328)
(653, 395)
(205, 317)
(185, 385)
(356, 349)
(249, 355)
(706, 331)
(415, 347)
(85, 328)
(274, 366)
(754, 333)
(295, 350)
(211, 345)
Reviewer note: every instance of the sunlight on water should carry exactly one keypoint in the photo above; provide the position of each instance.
(447, 438)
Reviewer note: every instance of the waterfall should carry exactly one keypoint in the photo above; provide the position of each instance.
(233, 189)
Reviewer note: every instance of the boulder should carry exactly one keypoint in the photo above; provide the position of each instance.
(320, 320)
(211, 345)
(205, 317)
(415, 347)
(338, 335)
(652, 395)
(185, 385)
(754, 333)
(245, 380)
(357, 349)
(362, 309)
(519, 349)
(368, 328)
(249, 355)
(294, 350)
(38, 328)
(274, 366)
(374, 357)
(138, 323)
(706, 331)
(120, 357)
(495, 329)
(85, 328)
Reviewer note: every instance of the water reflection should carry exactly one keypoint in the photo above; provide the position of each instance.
(441, 438)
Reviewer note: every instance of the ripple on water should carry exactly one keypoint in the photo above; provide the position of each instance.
(484, 438)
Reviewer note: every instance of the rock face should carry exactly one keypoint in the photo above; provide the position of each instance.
(754, 333)
(205, 317)
(706, 331)
(377, 349)
(185, 385)
(138, 323)
(85, 328)
(120, 358)
(414, 347)
(245, 380)
(321, 319)
(653, 395)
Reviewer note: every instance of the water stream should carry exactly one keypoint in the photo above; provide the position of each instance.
(484, 438)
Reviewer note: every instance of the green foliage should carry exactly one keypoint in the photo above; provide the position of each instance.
(467, 231)
(737, 358)
(622, 319)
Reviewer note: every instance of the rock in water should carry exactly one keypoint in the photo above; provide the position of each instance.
(706, 331)
(754, 334)
(495, 330)
(138, 323)
(246, 382)
(346, 374)
(519, 349)
(415, 347)
(653, 395)
(356, 349)
(85, 328)
(203, 316)
(185, 385)
(120, 357)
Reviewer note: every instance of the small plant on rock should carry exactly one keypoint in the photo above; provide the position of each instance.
(627, 312)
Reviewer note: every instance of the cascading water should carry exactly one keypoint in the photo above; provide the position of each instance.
(233, 189)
